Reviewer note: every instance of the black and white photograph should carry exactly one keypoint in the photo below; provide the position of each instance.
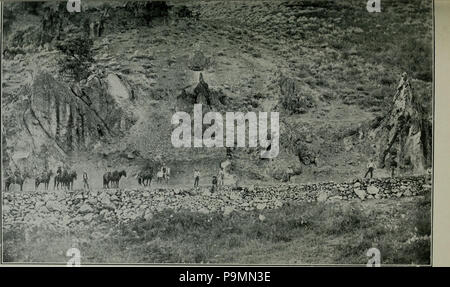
(213, 132)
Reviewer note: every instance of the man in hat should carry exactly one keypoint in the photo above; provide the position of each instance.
(370, 168)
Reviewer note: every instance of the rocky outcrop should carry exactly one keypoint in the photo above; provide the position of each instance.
(77, 209)
(201, 94)
(405, 132)
(78, 117)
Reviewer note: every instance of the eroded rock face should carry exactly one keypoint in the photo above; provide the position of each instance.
(404, 132)
(78, 117)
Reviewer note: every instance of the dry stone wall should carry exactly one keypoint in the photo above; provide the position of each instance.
(78, 209)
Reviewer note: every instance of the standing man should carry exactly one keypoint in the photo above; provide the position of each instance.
(58, 178)
(85, 181)
(370, 168)
(214, 184)
(221, 176)
(196, 177)
(393, 166)
(289, 173)
(164, 170)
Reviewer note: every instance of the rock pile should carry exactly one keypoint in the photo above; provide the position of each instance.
(78, 209)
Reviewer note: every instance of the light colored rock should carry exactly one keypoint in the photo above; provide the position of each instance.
(43, 209)
(360, 193)
(88, 217)
(372, 190)
(227, 210)
(6, 209)
(203, 210)
(334, 198)
(85, 208)
(323, 196)
(54, 205)
(261, 206)
(278, 203)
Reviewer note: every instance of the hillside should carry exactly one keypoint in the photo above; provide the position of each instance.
(330, 68)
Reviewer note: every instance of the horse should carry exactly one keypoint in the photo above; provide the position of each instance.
(43, 178)
(106, 179)
(15, 179)
(113, 178)
(116, 176)
(66, 180)
(145, 177)
(57, 180)
(69, 178)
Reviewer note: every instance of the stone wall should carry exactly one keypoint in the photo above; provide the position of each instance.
(78, 209)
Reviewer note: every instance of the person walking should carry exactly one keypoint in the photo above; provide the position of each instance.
(370, 168)
(196, 177)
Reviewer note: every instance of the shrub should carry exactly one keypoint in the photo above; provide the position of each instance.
(296, 98)
(77, 57)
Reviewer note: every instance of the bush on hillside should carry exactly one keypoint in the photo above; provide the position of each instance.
(295, 97)
(76, 58)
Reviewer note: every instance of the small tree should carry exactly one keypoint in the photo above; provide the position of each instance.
(77, 57)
